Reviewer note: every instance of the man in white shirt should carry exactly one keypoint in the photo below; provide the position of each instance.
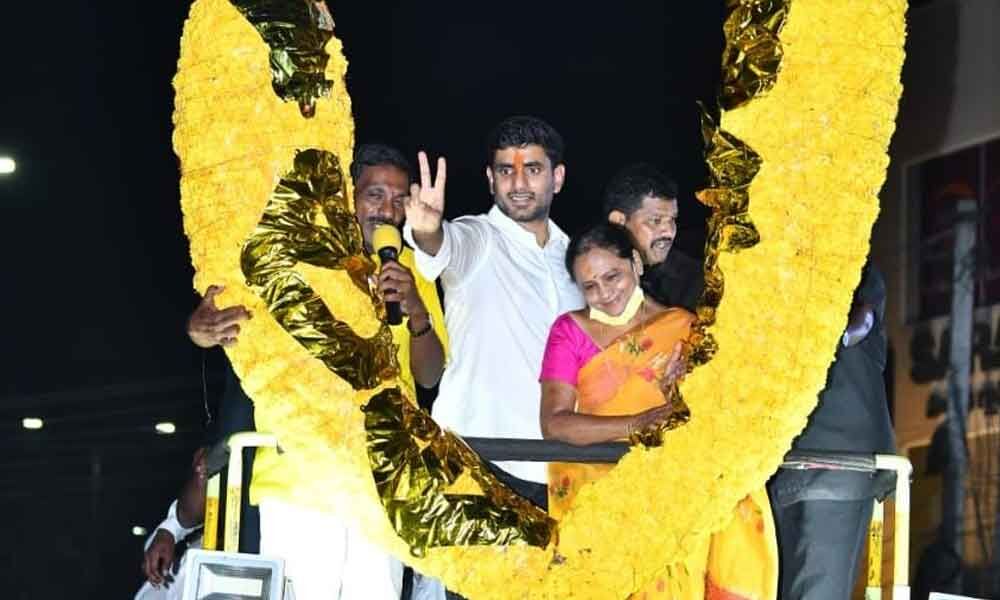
(505, 282)
(165, 576)
(163, 572)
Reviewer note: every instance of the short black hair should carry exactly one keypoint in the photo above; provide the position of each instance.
(607, 236)
(521, 131)
(629, 186)
(378, 155)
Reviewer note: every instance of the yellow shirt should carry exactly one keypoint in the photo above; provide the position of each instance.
(283, 475)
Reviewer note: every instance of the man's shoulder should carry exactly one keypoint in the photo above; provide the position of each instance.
(479, 225)
(476, 217)
(677, 281)
(683, 263)
(677, 266)
(480, 220)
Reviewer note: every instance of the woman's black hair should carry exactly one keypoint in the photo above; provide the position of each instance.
(613, 238)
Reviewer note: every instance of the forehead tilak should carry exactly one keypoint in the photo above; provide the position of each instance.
(518, 160)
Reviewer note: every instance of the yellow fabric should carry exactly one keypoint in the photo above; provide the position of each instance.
(275, 475)
(739, 561)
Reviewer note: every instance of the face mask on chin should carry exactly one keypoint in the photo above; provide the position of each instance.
(631, 308)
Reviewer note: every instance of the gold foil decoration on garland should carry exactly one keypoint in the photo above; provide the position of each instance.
(785, 305)
(750, 63)
(297, 32)
(307, 220)
(292, 231)
(414, 462)
(753, 53)
(680, 414)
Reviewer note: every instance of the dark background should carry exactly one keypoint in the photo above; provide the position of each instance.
(97, 280)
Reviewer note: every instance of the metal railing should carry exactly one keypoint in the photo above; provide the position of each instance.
(229, 452)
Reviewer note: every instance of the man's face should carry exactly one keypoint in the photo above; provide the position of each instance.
(379, 196)
(653, 227)
(523, 182)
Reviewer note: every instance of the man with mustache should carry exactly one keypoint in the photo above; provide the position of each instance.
(505, 282)
(643, 200)
(821, 516)
(326, 557)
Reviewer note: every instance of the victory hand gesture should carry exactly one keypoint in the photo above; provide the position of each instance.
(425, 206)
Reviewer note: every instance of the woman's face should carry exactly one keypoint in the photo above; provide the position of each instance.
(606, 280)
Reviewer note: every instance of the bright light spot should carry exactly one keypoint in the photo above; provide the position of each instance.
(139, 531)
(32, 423)
(166, 427)
(7, 165)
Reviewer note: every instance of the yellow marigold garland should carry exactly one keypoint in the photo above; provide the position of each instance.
(822, 134)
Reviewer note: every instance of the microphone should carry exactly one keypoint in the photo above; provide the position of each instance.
(388, 244)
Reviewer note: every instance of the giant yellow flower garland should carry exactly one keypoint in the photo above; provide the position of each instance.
(822, 133)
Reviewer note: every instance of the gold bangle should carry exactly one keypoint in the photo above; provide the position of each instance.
(628, 429)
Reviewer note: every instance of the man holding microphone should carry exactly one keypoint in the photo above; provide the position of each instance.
(326, 557)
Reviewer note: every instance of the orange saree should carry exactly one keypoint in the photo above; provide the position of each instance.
(740, 562)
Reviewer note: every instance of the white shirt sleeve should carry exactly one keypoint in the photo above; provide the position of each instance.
(465, 244)
(172, 526)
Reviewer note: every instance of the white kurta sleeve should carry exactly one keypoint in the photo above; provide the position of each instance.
(464, 248)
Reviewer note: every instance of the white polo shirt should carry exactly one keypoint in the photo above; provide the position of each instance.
(502, 292)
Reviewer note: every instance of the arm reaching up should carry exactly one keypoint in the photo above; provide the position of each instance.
(449, 250)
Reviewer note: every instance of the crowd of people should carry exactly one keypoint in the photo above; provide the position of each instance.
(593, 332)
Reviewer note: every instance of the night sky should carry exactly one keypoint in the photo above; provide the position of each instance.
(98, 279)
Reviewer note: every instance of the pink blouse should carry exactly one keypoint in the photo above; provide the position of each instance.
(568, 349)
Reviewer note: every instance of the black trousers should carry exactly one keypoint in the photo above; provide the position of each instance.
(820, 543)
(536, 493)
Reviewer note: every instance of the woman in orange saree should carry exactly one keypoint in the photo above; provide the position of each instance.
(605, 375)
